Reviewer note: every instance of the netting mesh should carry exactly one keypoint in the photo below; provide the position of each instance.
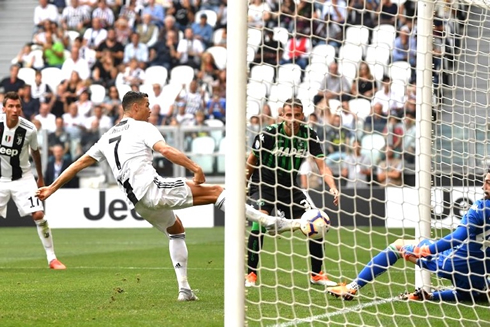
(352, 64)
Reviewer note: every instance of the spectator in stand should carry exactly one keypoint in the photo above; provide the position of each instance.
(220, 83)
(58, 105)
(213, 5)
(203, 31)
(72, 88)
(45, 12)
(137, 50)
(133, 74)
(40, 37)
(169, 25)
(84, 105)
(360, 12)
(156, 11)
(59, 138)
(405, 47)
(184, 118)
(388, 13)
(216, 106)
(40, 90)
(259, 13)
(336, 140)
(84, 52)
(357, 167)
(60, 5)
(47, 119)
(104, 123)
(184, 12)
(364, 85)
(88, 5)
(387, 98)
(333, 86)
(209, 72)
(30, 106)
(95, 35)
(132, 12)
(105, 71)
(376, 122)
(75, 17)
(12, 83)
(334, 13)
(287, 15)
(123, 31)
(297, 51)
(25, 58)
(156, 100)
(74, 126)
(75, 64)
(221, 42)
(393, 133)
(390, 170)
(439, 50)
(193, 99)
(165, 53)
(104, 14)
(222, 19)
(112, 103)
(53, 52)
(148, 31)
(56, 165)
(115, 48)
(190, 50)
(409, 137)
(411, 98)
(270, 51)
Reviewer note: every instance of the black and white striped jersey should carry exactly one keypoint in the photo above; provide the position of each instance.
(14, 148)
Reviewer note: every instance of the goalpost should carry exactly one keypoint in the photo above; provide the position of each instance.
(440, 184)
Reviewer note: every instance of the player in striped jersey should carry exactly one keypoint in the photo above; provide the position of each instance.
(16, 178)
(128, 149)
(278, 153)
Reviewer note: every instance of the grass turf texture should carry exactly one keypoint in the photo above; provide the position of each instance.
(124, 277)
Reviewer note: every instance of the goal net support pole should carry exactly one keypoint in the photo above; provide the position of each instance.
(424, 126)
(235, 163)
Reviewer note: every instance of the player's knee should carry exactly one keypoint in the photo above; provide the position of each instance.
(176, 228)
(398, 244)
(38, 215)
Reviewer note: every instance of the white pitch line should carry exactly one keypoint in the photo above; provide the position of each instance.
(110, 268)
(355, 308)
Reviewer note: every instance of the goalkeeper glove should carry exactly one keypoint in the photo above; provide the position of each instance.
(422, 251)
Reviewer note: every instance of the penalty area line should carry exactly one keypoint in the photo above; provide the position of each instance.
(355, 308)
(108, 268)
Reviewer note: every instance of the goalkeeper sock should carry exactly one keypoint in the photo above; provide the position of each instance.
(44, 233)
(255, 243)
(378, 265)
(316, 254)
(178, 255)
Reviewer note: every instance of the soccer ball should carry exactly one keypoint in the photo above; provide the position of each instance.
(315, 223)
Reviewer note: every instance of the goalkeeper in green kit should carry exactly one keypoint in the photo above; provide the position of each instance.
(273, 165)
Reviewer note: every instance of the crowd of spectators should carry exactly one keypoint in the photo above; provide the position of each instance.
(112, 43)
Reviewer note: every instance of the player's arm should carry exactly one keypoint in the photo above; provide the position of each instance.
(67, 175)
(180, 159)
(36, 156)
(327, 175)
(251, 164)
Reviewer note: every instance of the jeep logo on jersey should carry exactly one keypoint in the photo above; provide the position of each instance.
(9, 152)
(286, 152)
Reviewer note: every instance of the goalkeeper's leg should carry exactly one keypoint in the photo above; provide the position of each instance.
(255, 243)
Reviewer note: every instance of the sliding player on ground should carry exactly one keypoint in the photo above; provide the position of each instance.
(463, 257)
(278, 153)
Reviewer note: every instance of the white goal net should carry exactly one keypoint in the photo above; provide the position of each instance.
(357, 66)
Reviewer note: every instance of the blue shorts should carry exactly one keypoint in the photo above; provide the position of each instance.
(454, 267)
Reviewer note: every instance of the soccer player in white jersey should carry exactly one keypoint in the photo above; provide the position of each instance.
(128, 148)
(16, 178)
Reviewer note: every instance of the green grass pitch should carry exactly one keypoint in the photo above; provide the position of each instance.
(124, 277)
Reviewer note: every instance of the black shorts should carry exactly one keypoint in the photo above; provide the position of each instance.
(287, 203)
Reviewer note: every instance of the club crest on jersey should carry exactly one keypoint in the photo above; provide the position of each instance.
(19, 139)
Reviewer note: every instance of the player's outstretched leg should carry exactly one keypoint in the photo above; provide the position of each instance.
(46, 237)
(255, 243)
(318, 277)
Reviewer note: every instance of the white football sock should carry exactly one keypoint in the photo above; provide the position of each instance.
(46, 237)
(251, 213)
(178, 254)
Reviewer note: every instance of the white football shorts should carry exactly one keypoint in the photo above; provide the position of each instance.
(23, 192)
(163, 196)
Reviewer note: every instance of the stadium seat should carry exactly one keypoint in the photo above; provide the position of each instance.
(378, 53)
(315, 73)
(38, 59)
(357, 35)
(98, 93)
(289, 73)
(219, 55)
(28, 75)
(210, 14)
(250, 55)
(372, 145)
(281, 92)
(384, 34)
(398, 87)
(378, 71)
(350, 53)
(334, 104)
(263, 74)
(348, 69)
(253, 108)
(275, 105)
(281, 35)
(400, 70)
(217, 135)
(306, 91)
(72, 35)
(220, 161)
(171, 91)
(181, 75)
(360, 107)
(156, 75)
(202, 149)
(148, 89)
(218, 36)
(122, 89)
(322, 54)
(254, 38)
(52, 76)
(256, 91)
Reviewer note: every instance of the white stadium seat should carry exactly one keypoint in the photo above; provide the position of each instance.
(181, 75)
(212, 17)
(97, 93)
(202, 148)
(254, 38)
(156, 75)
(28, 75)
(322, 54)
(400, 70)
(219, 55)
